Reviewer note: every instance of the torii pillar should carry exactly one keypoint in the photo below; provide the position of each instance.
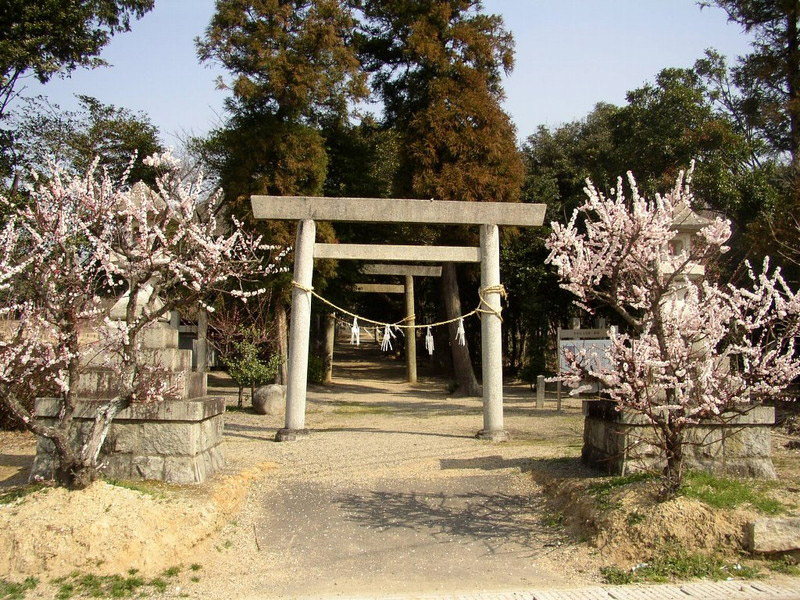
(381, 210)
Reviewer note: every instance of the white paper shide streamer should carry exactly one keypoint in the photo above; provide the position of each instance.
(429, 341)
(460, 333)
(355, 333)
(386, 342)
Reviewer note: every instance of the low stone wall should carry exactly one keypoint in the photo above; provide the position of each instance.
(623, 442)
(177, 441)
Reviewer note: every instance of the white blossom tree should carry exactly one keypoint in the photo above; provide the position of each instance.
(77, 245)
(691, 348)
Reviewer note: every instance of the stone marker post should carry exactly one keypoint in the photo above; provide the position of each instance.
(299, 327)
(540, 391)
(202, 340)
(330, 337)
(411, 333)
(491, 336)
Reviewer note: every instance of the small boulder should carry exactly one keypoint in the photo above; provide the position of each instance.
(270, 399)
(774, 534)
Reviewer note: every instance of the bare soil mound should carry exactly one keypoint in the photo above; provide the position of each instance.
(108, 529)
(629, 525)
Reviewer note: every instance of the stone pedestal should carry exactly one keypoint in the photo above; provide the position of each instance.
(178, 441)
(735, 444)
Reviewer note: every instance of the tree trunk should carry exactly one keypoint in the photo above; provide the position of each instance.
(467, 384)
(793, 87)
(241, 396)
(282, 375)
(672, 476)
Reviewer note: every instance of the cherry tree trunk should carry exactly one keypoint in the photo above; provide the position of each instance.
(672, 476)
(467, 384)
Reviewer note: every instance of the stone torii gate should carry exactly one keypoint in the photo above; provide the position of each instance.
(408, 272)
(488, 215)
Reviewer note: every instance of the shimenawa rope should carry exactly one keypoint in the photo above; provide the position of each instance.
(489, 310)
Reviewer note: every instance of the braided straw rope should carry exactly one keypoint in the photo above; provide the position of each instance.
(484, 308)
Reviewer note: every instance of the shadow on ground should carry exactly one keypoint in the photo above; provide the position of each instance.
(497, 520)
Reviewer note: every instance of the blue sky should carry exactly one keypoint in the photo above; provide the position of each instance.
(571, 54)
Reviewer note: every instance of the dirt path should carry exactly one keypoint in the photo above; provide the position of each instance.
(392, 493)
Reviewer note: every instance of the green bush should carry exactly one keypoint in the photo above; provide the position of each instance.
(246, 365)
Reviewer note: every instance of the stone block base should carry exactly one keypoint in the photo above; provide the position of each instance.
(177, 441)
(736, 445)
(290, 435)
(499, 435)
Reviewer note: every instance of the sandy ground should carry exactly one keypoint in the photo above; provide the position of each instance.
(390, 493)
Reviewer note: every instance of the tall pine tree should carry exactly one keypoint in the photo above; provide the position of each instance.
(292, 65)
(437, 66)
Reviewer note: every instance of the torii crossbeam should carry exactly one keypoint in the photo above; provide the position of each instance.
(486, 214)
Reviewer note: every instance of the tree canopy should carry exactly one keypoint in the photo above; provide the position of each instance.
(48, 37)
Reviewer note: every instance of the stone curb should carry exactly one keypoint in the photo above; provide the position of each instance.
(724, 590)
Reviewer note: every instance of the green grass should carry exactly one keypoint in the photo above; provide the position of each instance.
(195, 567)
(108, 586)
(675, 564)
(159, 584)
(352, 408)
(783, 565)
(602, 491)
(553, 520)
(722, 492)
(20, 492)
(172, 572)
(635, 518)
(150, 489)
(240, 409)
(16, 591)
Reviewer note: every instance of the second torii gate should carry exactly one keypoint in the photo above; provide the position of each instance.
(489, 215)
(408, 272)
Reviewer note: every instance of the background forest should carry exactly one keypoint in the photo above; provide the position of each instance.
(300, 76)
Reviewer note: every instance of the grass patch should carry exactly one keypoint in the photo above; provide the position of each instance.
(172, 572)
(635, 518)
(106, 586)
(16, 591)
(602, 491)
(784, 566)
(553, 520)
(20, 492)
(352, 408)
(674, 564)
(239, 409)
(147, 488)
(159, 584)
(722, 492)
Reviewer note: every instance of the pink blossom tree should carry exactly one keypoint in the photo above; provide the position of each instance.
(77, 245)
(690, 348)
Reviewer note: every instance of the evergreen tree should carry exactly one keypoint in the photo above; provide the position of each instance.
(292, 65)
(769, 77)
(46, 38)
(437, 66)
(44, 132)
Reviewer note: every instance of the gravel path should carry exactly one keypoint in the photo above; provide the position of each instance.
(392, 494)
